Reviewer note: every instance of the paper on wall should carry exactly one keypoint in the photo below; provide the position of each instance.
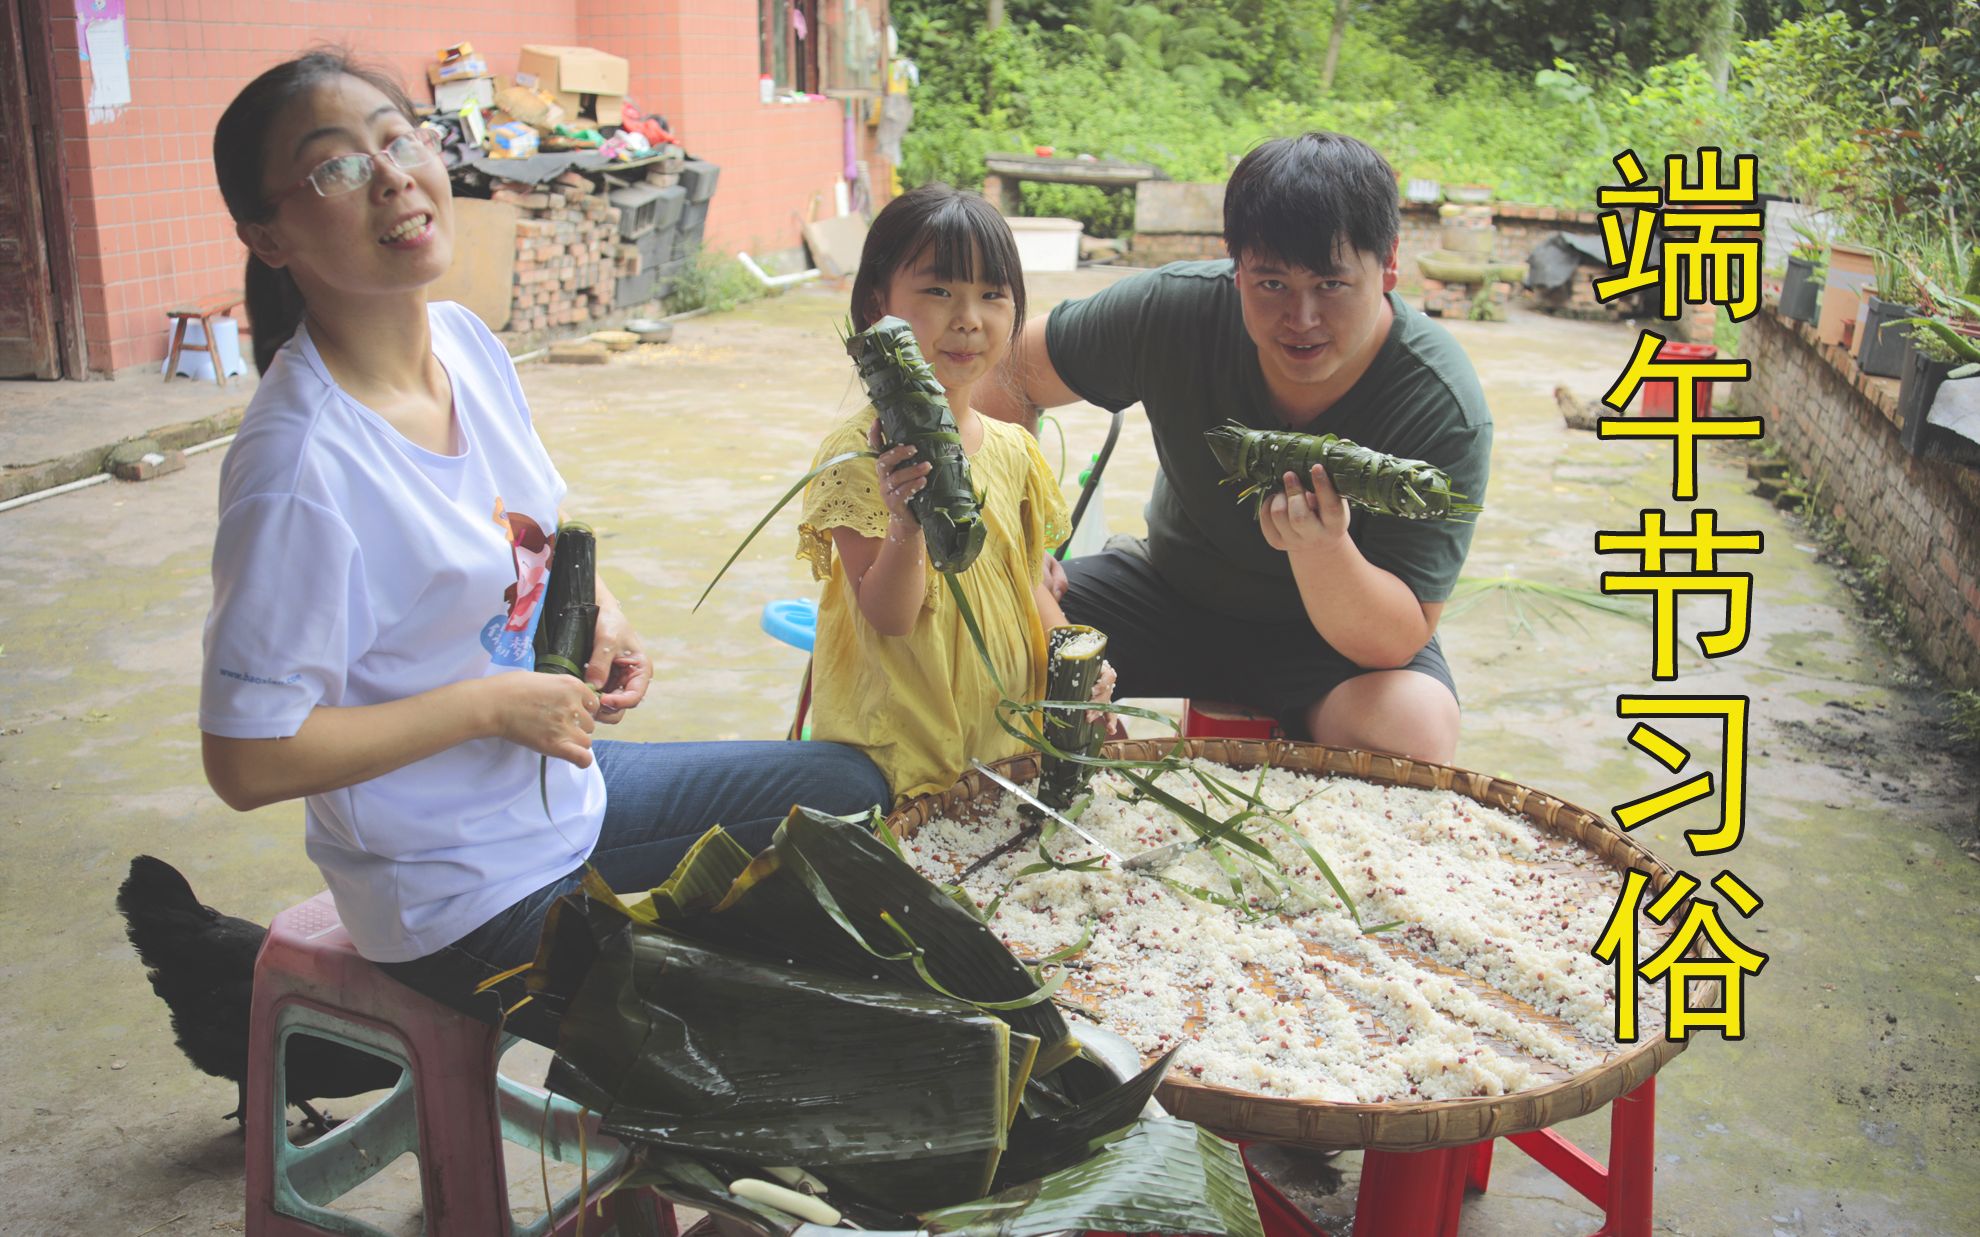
(109, 69)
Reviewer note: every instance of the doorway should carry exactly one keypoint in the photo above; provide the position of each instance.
(40, 313)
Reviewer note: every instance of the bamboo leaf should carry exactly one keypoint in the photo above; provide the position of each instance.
(771, 514)
(817, 894)
(702, 878)
(1044, 1145)
(679, 1042)
(1161, 1176)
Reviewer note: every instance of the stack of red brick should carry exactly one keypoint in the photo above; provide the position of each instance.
(567, 244)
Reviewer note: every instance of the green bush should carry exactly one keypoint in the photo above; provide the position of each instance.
(1452, 91)
(712, 282)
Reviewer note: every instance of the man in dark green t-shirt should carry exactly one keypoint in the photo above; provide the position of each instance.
(1325, 621)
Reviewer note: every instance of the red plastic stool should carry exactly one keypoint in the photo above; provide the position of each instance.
(1215, 719)
(1418, 1193)
(451, 1106)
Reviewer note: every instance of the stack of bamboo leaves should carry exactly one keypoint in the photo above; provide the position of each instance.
(823, 1006)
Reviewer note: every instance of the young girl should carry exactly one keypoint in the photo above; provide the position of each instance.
(386, 515)
(895, 673)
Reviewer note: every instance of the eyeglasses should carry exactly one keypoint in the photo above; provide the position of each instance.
(349, 173)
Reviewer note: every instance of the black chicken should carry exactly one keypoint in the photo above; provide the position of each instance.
(202, 966)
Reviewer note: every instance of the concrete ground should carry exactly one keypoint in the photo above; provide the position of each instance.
(1848, 1109)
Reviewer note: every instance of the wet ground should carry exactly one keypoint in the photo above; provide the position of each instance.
(1848, 1109)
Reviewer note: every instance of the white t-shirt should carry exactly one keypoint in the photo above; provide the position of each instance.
(352, 567)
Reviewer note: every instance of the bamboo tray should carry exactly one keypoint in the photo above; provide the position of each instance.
(1417, 1125)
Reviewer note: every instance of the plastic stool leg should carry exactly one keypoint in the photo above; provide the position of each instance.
(1623, 1190)
(1478, 1174)
(460, 1130)
(1411, 1193)
(1632, 1162)
(1278, 1216)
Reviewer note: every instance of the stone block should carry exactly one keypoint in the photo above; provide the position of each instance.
(1162, 206)
(142, 459)
(528, 201)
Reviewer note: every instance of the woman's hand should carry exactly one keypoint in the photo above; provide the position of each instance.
(618, 670)
(547, 713)
(1296, 521)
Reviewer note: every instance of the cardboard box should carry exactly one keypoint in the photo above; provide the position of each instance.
(531, 106)
(449, 96)
(514, 140)
(451, 70)
(589, 85)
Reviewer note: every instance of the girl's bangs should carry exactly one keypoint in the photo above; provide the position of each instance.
(956, 234)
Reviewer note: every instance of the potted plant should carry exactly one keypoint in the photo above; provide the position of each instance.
(1880, 352)
(1807, 265)
(1929, 359)
(1944, 342)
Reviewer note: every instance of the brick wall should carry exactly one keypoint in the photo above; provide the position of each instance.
(150, 229)
(1922, 515)
(567, 256)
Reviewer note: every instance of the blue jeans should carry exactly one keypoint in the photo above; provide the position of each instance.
(659, 798)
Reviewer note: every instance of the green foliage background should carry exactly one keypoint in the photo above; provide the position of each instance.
(1859, 104)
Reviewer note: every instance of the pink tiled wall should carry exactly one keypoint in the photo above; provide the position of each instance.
(150, 229)
(696, 62)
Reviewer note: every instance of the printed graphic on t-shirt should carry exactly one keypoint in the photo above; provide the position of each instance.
(510, 637)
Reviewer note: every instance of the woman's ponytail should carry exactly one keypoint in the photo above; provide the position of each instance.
(274, 309)
(240, 142)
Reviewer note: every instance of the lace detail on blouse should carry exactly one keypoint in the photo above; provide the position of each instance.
(847, 496)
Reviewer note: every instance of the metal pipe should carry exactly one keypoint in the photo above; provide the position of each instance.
(98, 478)
(775, 282)
(53, 490)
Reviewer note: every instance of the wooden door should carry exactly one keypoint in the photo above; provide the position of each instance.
(28, 344)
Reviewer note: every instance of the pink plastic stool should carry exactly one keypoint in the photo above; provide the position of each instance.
(451, 1106)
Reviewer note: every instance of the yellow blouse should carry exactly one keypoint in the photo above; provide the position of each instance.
(921, 705)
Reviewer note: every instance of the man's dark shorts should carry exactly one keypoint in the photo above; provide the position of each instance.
(1164, 645)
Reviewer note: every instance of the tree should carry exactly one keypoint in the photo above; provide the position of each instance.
(1342, 10)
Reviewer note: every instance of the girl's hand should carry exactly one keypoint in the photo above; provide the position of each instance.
(1296, 521)
(618, 669)
(898, 479)
(547, 713)
(1103, 693)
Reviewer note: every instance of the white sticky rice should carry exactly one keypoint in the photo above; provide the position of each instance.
(1300, 1003)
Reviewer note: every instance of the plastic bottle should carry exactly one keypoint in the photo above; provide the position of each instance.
(1091, 535)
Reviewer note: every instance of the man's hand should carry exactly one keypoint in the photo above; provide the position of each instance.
(1301, 522)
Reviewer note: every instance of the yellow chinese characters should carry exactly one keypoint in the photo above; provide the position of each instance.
(1704, 543)
(1695, 240)
(1703, 258)
(1682, 961)
(1732, 712)
(1685, 428)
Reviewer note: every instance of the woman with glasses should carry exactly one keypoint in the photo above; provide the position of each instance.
(387, 516)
